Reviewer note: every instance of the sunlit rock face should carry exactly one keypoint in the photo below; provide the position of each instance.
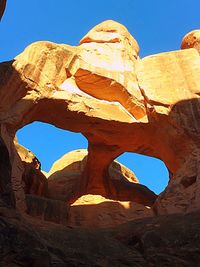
(97, 211)
(118, 101)
(105, 67)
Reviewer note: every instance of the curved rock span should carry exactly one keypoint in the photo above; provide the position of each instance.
(119, 102)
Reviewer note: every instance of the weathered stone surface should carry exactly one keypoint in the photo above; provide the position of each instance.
(67, 173)
(6, 193)
(105, 66)
(34, 180)
(171, 240)
(72, 162)
(97, 211)
(191, 40)
(117, 100)
(120, 103)
(64, 180)
(20, 243)
(47, 209)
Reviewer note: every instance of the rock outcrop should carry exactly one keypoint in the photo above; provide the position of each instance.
(6, 193)
(34, 181)
(118, 101)
(171, 240)
(97, 211)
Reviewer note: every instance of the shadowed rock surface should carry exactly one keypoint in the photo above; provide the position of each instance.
(171, 240)
(33, 179)
(6, 193)
(2, 7)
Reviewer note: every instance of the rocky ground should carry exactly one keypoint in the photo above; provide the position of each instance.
(171, 240)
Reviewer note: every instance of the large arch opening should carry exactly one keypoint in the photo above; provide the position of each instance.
(49, 143)
(150, 171)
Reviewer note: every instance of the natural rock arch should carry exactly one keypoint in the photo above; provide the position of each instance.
(118, 180)
(49, 143)
(135, 105)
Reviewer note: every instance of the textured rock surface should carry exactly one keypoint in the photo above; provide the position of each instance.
(105, 66)
(34, 180)
(67, 173)
(120, 103)
(160, 241)
(20, 244)
(47, 209)
(6, 193)
(191, 40)
(97, 211)
(155, 242)
(117, 100)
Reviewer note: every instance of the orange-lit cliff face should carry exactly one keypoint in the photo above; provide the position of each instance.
(119, 102)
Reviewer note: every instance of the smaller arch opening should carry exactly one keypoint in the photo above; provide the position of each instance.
(150, 171)
(49, 143)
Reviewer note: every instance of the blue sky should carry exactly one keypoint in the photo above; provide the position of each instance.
(158, 26)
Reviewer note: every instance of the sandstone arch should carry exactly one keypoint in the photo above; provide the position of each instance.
(50, 83)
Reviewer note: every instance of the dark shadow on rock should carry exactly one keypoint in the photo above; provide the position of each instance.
(20, 243)
(46, 209)
(124, 190)
(2, 7)
(35, 182)
(6, 192)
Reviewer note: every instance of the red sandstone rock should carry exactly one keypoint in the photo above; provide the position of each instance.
(191, 40)
(67, 174)
(148, 106)
(34, 180)
(97, 211)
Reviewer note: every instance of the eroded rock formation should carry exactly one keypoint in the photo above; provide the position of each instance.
(66, 176)
(97, 211)
(34, 181)
(119, 102)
